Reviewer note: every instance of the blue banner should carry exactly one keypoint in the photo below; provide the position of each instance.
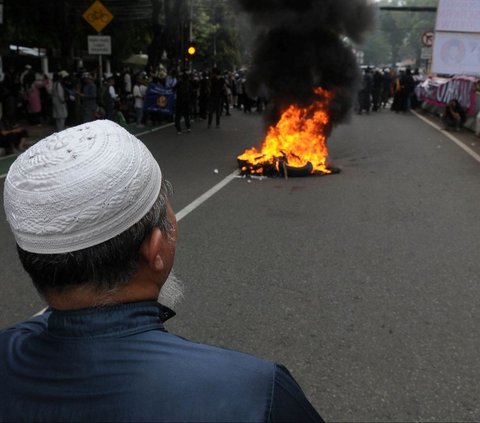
(159, 99)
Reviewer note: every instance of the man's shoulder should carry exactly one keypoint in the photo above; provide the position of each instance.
(35, 325)
(206, 355)
(237, 374)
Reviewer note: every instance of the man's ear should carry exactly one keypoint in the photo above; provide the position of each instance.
(151, 248)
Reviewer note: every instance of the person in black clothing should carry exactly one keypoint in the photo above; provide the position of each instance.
(215, 99)
(404, 88)
(183, 89)
(227, 95)
(203, 94)
(387, 88)
(409, 84)
(195, 92)
(377, 89)
(454, 116)
(365, 93)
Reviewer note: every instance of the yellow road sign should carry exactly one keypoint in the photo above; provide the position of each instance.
(98, 16)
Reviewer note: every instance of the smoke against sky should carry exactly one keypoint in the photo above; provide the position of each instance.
(301, 46)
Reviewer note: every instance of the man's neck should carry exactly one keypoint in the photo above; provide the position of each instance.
(87, 296)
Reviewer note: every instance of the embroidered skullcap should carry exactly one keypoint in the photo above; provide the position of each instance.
(79, 187)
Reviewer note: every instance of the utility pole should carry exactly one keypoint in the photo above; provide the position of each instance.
(215, 36)
(190, 29)
(190, 34)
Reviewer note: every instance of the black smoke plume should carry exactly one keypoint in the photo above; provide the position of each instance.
(302, 45)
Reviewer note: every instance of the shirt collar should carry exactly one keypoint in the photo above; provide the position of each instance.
(108, 321)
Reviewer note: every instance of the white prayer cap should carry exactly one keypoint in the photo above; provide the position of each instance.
(80, 187)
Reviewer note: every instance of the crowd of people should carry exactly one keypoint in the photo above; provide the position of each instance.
(396, 90)
(388, 88)
(67, 99)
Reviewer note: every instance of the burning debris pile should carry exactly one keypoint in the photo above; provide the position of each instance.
(310, 72)
(296, 145)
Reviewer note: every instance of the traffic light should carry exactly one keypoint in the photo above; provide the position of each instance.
(191, 49)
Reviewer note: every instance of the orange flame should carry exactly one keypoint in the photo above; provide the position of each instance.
(297, 139)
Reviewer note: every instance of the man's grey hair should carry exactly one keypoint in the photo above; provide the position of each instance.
(105, 267)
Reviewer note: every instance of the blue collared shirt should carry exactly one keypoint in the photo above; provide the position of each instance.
(118, 363)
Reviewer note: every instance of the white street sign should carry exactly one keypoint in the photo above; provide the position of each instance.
(426, 53)
(99, 44)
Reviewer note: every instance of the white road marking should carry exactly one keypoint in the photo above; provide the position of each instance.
(205, 196)
(450, 136)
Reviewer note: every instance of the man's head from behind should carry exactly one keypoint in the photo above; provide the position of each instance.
(88, 208)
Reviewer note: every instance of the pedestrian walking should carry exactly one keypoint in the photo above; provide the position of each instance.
(33, 85)
(245, 99)
(89, 98)
(110, 98)
(365, 93)
(195, 84)
(376, 89)
(72, 87)
(139, 90)
(404, 86)
(215, 98)
(387, 87)
(203, 95)
(183, 91)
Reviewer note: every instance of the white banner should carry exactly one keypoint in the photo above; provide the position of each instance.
(458, 15)
(456, 53)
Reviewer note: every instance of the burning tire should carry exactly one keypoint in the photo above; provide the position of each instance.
(294, 172)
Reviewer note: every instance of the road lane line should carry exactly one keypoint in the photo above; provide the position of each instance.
(205, 196)
(149, 131)
(465, 148)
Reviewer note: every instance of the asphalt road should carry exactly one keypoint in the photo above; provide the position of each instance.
(364, 284)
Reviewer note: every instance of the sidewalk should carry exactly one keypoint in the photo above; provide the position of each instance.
(37, 133)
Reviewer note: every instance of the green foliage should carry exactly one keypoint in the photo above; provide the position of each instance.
(215, 31)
